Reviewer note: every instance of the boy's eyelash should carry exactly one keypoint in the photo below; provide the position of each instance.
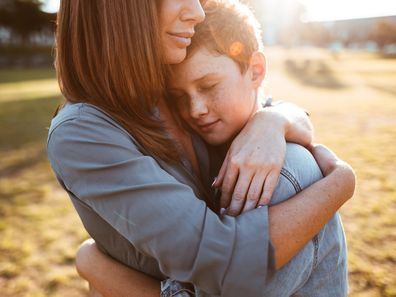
(205, 88)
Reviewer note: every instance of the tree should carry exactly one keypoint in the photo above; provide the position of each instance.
(383, 33)
(23, 18)
(316, 34)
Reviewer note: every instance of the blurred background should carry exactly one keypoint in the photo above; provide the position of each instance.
(335, 58)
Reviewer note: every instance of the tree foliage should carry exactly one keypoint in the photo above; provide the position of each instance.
(24, 18)
(383, 33)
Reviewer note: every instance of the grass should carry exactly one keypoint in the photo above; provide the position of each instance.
(351, 99)
(18, 75)
(39, 230)
(357, 120)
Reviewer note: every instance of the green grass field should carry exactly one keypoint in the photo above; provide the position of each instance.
(352, 101)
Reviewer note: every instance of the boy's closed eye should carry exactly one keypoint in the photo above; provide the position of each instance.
(208, 86)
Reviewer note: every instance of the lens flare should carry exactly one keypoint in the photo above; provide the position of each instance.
(236, 48)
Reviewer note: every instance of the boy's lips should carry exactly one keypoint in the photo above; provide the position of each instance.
(206, 127)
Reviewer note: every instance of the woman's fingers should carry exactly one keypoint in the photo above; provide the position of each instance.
(244, 187)
(254, 193)
(269, 187)
(228, 184)
(220, 177)
(238, 198)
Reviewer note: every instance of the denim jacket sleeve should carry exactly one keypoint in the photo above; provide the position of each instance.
(100, 164)
(299, 171)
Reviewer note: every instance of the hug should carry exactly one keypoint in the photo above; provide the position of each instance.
(187, 179)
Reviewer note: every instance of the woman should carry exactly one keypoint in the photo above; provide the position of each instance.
(111, 153)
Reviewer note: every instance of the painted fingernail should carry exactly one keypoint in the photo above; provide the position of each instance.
(214, 181)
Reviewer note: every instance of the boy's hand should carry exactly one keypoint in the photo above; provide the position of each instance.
(251, 169)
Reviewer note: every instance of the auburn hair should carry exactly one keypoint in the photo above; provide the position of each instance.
(107, 55)
(230, 28)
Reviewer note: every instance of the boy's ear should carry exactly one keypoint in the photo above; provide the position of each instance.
(258, 66)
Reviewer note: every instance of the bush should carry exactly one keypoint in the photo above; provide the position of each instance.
(25, 56)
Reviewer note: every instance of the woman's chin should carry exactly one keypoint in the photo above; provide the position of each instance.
(175, 56)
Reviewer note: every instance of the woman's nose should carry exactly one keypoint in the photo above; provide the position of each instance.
(193, 11)
(198, 107)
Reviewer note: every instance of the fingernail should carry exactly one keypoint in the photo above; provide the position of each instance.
(223, 211)
(214, 181)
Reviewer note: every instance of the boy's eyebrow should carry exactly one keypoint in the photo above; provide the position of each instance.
(207, 76)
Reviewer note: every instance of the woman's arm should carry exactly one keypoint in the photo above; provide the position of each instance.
(292, 224)
(99, 165)
(110, 278)
(312, 208)
(116, 183)
(250, 171)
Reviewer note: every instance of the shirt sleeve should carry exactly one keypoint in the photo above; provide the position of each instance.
(161, 217)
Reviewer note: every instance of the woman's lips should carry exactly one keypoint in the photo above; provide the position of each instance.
(181, 39)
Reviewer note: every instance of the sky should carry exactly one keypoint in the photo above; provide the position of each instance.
(319, 10)
(51, 5)
(328, 10)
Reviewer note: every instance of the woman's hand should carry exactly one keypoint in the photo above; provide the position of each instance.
(328, 162)
(251, 169)
(326, 159)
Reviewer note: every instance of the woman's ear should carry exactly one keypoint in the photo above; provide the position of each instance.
(258, 67)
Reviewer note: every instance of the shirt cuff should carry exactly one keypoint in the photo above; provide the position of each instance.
(172, 288)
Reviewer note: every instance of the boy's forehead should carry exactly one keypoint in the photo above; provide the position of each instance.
(202, 62)
(200, 56)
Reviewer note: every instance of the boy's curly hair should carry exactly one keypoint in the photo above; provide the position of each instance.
(230, 29)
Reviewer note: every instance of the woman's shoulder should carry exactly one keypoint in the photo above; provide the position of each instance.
(81, 112)
(84, 124)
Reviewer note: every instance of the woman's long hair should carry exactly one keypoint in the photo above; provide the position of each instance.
(108, 53)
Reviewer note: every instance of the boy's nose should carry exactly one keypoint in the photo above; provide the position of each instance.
(198, 107)
(193, 12)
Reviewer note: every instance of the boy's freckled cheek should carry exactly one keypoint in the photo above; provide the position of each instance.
(217, 102)
(221, 95)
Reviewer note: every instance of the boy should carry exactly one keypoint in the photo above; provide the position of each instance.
(215, 91)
